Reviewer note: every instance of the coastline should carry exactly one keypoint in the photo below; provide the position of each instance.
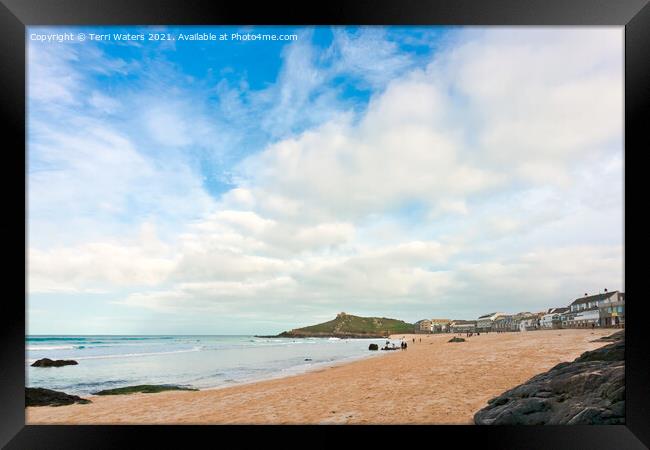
(302, 370)
(432, 382)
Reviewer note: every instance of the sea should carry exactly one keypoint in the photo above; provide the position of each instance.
(201, 362)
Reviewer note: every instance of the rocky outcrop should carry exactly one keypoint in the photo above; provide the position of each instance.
(47, 362)
(47, 397)
(144, 389)
(589, 390)
(373, 347)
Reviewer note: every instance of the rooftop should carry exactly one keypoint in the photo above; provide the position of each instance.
(487, 315)
(593, 298)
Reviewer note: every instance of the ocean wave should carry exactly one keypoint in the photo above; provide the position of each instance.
(49, 347)
(41, 339)
(99, 338)
(131, 355)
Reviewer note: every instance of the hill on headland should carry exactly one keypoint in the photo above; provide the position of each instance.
(349, 326)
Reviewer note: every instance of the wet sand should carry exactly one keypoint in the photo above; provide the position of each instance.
(433, 382)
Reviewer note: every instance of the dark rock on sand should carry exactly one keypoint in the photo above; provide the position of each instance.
(47, 397)
(456, 339)
(589, 390)
(47, 362)
(373, 347)
(143, 388)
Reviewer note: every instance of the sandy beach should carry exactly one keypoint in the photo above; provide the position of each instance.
(433, 382)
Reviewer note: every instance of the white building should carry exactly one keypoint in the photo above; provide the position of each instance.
(462, 326)
(588, 318)
(530, 322)
(440, 325)
(553, 318)
(484, 322)
(612, 311)
(591, 301)
(586, 310)
(423, 326)
(526, 323)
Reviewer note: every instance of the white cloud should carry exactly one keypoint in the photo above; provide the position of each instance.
(376, 275)
(344, 171)
(49, 74)
(552, 277)
(104, 103)
(94, 180)
(368, 55)
(101, 266)
(539, 98)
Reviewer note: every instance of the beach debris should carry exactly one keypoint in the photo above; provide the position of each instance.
(373, 347)
(144, 389)
(588, 391)
(456, 339)
(47, 362)
(48, 397)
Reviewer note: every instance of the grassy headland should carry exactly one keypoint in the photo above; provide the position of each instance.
(349, 326)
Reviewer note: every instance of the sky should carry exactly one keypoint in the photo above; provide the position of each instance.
(251, 187)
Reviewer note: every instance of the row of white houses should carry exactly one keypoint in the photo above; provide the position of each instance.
(600, 310)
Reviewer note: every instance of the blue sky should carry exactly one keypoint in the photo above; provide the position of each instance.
(252, 187)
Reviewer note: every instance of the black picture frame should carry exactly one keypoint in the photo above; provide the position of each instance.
(15, 15)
